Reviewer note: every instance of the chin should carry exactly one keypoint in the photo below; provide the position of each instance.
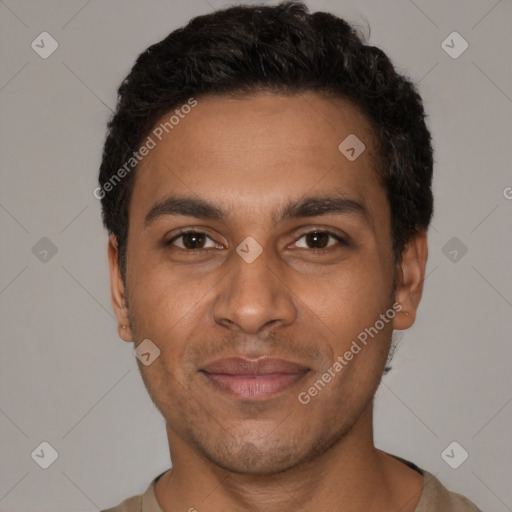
(251, 459)
(267, 455)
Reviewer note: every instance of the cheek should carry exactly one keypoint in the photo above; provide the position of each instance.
(162, 300)
(173, 310)
(348, 299)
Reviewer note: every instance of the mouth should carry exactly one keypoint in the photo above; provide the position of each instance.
(258, 379)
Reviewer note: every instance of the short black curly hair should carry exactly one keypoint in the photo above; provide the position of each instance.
(284, 49)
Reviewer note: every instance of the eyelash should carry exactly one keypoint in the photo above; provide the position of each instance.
(338, 238)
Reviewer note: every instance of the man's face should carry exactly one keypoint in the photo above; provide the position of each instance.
(304, 299)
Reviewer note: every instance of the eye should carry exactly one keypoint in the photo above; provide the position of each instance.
(192, 240)
(319, 240)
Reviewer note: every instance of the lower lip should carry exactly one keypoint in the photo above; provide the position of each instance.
(258, 387)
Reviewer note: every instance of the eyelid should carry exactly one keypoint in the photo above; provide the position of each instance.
(185, 231)
(343, 240)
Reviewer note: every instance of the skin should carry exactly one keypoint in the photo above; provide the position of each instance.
(251, 156)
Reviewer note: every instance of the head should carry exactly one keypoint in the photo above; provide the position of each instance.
(299, 243)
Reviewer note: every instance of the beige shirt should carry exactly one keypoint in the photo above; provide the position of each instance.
(434, 498)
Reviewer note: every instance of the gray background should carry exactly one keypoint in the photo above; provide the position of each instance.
(66, 378)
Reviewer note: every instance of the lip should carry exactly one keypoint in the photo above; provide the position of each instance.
(253, 379)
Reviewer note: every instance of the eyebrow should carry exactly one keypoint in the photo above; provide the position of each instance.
(303, 207)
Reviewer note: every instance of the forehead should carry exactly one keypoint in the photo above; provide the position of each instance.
(250, 153)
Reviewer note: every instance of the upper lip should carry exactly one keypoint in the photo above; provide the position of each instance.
(261, 366)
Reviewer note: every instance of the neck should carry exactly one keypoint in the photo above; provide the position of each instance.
(352, 472)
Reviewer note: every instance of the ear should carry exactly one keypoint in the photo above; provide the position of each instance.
(117, 292)
(411, 274)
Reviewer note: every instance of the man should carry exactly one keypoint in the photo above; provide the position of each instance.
(266, 184)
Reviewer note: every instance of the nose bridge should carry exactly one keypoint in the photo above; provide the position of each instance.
(254, 293)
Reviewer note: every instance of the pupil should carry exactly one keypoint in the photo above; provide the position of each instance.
(194, 239)
(317, 238)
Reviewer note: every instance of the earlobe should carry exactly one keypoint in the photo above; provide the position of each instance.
(124, 332)
(411, 274)
(117, 291)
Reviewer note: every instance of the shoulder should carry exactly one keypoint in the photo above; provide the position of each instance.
(133, 504)
(436, 497)
(146, 502)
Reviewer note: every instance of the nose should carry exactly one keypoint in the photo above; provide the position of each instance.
(254, 296)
